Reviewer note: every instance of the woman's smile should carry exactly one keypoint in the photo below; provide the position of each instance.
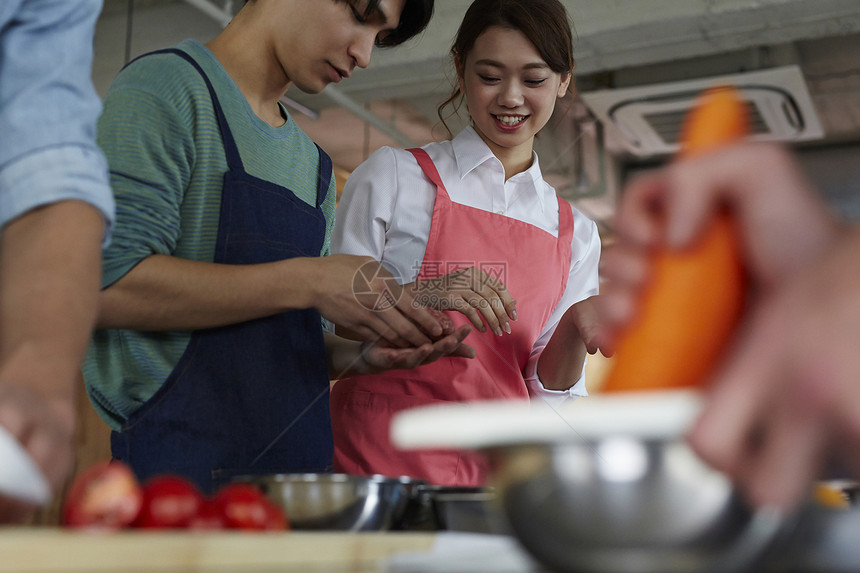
(510, 122)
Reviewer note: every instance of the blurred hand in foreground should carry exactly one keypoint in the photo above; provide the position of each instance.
(786, 396)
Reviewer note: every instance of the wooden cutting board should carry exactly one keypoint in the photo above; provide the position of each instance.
(32, 550)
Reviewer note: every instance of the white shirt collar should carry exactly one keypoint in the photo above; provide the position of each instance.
(470, 151)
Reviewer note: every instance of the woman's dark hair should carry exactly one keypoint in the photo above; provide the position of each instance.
(415, 17)
(544, 22)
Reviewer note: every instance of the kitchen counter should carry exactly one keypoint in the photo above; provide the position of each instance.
(27, 550)
(51, 550)
(821, 541)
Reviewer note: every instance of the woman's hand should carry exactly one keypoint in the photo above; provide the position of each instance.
(578, 332)
(586, 317)
(472, 292)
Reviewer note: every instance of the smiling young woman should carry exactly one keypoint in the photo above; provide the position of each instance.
(471, 226)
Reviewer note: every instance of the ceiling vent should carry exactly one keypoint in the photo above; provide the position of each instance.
(648, 118)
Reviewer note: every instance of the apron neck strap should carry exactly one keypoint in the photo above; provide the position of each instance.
(234, 161)
(565, 222)
(429, 169)
(324, 178)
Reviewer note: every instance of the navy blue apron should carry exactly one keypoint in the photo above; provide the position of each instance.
(250, 397)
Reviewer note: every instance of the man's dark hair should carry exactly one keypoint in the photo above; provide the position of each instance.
(415, 17)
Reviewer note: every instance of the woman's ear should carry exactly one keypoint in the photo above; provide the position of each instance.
(565, 83)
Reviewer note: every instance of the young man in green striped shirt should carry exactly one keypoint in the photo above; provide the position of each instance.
(210, 358)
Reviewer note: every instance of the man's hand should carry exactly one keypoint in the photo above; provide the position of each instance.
(351, 358)
(786, 396)
(787, 399)
(45, 429)
(380, 358)
(358, 294)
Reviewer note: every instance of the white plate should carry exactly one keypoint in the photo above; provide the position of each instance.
(20, 478)
(475, 425)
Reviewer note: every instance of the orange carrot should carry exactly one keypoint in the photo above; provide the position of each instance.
(694, 301)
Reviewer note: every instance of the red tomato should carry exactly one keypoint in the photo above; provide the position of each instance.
(243, 506)
(209, 517)
(105, 496)
(276, 519)
(169, 501)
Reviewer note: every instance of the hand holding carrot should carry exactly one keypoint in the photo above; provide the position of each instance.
(784, 394)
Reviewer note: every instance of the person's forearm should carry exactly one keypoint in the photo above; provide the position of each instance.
(560, 364)
(50, 261)
(169, 293)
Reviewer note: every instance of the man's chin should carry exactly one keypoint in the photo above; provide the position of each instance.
(311, 89)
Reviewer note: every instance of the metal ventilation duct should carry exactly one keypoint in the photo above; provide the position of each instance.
(648, 118)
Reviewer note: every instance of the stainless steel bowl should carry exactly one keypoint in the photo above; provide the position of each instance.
(337, 501)
(607, 484)
(624, 504)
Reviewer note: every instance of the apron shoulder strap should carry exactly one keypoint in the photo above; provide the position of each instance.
(324, 179)
(565, 221)
(429, 169)
(234, 160)
(565, 241)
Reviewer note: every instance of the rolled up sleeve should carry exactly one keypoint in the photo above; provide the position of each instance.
(49, 109)
(68, 172)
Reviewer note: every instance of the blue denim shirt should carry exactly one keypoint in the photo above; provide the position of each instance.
(49, 108)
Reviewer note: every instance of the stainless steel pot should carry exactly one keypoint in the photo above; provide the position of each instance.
(337, 501)
(452, 508)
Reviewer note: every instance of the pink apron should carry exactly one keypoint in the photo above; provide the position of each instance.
(533, 264)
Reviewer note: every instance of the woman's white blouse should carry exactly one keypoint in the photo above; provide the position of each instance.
(387, 206)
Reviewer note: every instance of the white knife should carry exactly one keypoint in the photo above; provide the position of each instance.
(20, 478)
